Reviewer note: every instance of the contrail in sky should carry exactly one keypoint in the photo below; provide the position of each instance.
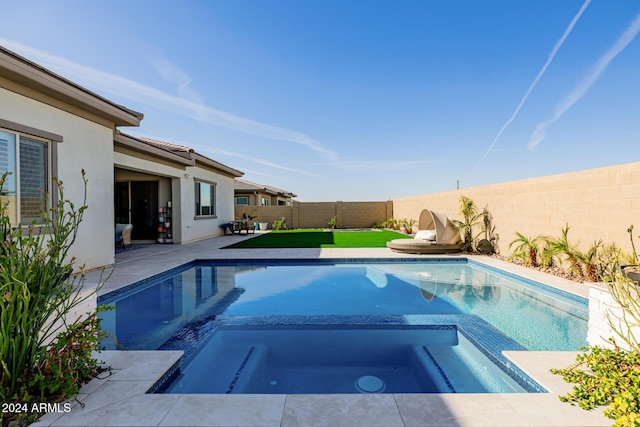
(533, 84)
(627, 37)
(184, 106)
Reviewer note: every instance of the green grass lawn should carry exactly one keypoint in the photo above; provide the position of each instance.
(319, 239)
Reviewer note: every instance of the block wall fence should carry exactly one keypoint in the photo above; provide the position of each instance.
(596, 204)
(316, 214)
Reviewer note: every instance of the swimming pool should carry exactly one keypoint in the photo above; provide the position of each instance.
(197, 305)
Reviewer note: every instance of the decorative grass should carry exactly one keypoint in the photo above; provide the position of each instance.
(318, 238)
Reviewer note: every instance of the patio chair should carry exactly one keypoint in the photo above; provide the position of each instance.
(123, 235)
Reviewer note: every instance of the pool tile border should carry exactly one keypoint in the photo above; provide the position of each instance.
(534, 283)
(473, 328)
(489, 340)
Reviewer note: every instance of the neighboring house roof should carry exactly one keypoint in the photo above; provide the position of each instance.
(33, 77)
(172, 152)
(242, 185)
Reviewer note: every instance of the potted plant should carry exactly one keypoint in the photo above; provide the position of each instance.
(332, 222)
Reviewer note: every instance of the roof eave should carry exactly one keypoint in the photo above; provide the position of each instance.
(227, 170)
(20, 70)
(141, 146)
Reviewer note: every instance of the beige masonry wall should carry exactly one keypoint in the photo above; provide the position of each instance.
(316, 214)
(596, 204)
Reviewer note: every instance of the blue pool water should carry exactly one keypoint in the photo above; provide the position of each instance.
(202, 306)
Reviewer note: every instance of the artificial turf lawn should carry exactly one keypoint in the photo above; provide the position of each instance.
(319, 239)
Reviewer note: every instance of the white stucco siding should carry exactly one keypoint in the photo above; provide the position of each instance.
(86, 145)
(185, 227)
(195, 229)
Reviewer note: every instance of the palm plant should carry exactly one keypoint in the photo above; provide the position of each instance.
(548, 255)
(487, 245)
(563, 247)
(407, 224)
(527, 248)
(469, 212)
(391, 223)
(591, 262)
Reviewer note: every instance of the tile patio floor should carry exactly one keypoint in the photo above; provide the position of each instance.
(120, 399)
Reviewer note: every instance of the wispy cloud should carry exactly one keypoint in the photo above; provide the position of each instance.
(175, 75)
(533, 84)
(583, 87)
(376, 165)
(210, 151)
(129, 89)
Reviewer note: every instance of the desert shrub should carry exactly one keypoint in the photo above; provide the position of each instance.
(612, 376)
(38, 363)
(279, 224)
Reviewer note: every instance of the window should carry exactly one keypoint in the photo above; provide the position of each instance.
(265, 201)
(242, 201)
(205, 199)
(28, 160)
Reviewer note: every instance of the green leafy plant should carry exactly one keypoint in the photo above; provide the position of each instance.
(471, 219)
(591, 264)
(69, 362)
(562, 247)
(487, 245)
(248, 215)
(606, 377)
(407, 225)
(391, 223)
(332, 222)
(527, 249)
(612, 376)
(279, 224)
(37, 290)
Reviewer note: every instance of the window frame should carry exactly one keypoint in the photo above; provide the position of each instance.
(50, 140)
(197, 192)
(265, 201)
(242, 197)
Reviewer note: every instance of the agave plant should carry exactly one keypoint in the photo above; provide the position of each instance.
(527, 248)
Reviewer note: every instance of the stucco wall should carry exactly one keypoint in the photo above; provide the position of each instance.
(86, 145)
(597, 204)
(316, 214)
(602, 307)
(196, 229)
(182, 194)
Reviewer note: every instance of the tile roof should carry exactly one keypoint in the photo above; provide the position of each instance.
(182, 151)
(243, 184)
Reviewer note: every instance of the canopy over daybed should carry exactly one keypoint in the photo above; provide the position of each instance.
(443, 238)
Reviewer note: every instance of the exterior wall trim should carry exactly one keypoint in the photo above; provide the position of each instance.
(17, 127)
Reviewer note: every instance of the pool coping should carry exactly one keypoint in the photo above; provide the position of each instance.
(120, 399)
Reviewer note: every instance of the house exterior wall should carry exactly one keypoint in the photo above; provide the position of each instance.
(177, 183)
(196, 229)
(596, 204)
(86, 144)
(255, 198)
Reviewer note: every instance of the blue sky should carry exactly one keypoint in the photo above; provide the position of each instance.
(358, 100)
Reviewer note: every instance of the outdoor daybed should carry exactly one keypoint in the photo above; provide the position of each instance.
(436, 235)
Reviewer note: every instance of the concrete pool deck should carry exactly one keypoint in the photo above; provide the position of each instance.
(120, 399)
